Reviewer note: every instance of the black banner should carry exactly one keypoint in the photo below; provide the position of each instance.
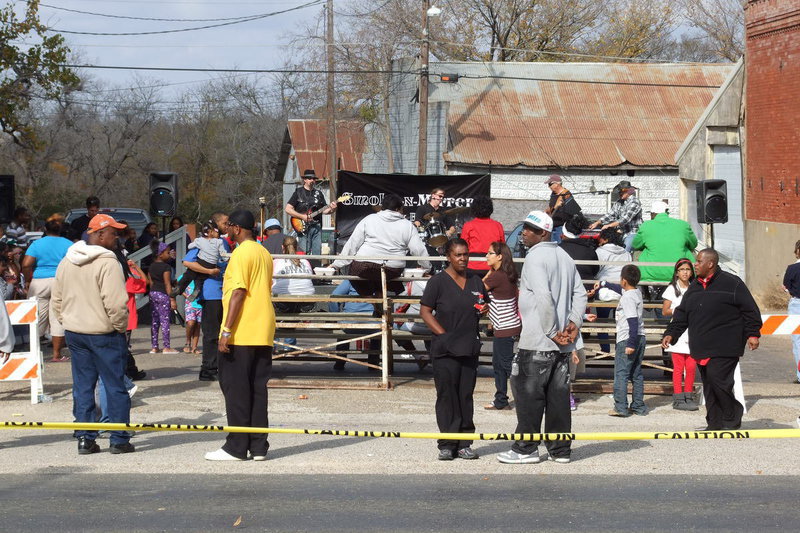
(368, 191)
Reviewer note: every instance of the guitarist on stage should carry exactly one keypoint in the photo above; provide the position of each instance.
(304, 201)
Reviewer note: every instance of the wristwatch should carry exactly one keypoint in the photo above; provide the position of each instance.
(225, 334)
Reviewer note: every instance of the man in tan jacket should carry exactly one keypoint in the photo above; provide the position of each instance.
(89, 300)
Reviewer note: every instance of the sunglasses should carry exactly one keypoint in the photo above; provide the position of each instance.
(309, 178)
(492, 253)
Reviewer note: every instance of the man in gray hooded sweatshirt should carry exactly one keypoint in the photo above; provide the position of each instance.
(90, 301)
(552, 302)
(386, 233)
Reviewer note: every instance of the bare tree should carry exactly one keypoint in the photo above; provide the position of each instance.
(719, 25)
(634, 29)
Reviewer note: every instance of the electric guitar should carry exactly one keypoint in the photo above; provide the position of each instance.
(300, 226)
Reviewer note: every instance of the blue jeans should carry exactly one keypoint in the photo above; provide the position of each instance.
(311, 242)
(629, 368)
(541, 390)
(502, 355)
(557, 234)
(101, 396)
(794, 309)
(628, 240)
(605, 312)
(93, 357)
(288, 340)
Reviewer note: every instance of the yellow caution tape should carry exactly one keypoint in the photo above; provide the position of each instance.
(642, 435)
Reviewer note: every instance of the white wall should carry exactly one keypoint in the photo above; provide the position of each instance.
(529, 184)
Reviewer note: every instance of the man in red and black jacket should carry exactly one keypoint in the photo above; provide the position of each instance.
(722, 318)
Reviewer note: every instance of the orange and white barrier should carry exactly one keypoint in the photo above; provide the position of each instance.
(780, 325)
(25, 366)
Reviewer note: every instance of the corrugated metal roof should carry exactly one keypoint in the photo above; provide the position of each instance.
(309, 137)
(573, 114)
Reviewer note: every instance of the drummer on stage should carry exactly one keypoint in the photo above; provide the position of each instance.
(434, 206)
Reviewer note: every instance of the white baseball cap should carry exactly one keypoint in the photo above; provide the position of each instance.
(539, 219)
(659, 207)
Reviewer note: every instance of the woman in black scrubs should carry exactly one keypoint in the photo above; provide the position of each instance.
(458, 301)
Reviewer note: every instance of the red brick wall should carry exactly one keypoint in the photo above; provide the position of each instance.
(772, 113)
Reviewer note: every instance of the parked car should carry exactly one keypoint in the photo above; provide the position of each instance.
(136, 218)
(514, 242)
(518, 249)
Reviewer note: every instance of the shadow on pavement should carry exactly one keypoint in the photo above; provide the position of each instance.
(324, 444)
(583, 451)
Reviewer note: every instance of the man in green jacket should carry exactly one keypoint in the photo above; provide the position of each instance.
(663, 240)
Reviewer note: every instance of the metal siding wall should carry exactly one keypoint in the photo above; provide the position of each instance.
(729, 237)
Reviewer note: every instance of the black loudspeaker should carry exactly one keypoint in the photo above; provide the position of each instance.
(163, 194)
(7, 203)
(712, 202)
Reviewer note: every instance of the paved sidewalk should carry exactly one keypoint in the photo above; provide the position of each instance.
(172, 393)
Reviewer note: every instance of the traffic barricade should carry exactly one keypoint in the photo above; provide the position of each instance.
(25, 366)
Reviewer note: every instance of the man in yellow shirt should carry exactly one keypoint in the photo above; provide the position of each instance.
(245, 344)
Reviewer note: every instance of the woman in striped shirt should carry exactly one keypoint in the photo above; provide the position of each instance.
(501, 282)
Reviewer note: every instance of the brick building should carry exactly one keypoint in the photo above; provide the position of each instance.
(772, 143)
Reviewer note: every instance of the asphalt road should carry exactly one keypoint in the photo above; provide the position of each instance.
(486, 503)
(333, 483)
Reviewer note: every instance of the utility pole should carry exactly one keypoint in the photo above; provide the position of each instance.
(331, 111)
(422, 154)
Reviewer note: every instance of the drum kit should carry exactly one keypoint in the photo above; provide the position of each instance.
(434, 230)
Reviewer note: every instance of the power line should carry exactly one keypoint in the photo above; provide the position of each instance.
(370, 12)
(237, 21)
(255, 45)
(242, 70)
(186, 2)
(412, 72)
(565, 54)
(144, 18)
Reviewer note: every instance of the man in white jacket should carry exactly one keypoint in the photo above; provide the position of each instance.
(89, 300)
(385, 233)
(552, 301)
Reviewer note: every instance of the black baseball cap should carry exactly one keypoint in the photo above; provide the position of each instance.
(242, 218)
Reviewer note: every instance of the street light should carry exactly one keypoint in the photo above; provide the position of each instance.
(434, 11)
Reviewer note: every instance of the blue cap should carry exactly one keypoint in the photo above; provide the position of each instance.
(272, 223)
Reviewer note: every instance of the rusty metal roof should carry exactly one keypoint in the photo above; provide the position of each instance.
(309, 137)
(573, 114)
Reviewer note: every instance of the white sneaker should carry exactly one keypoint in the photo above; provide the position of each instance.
(221, 455)
(258, 457)
(133, 390)
(513, 458)
(562, 460)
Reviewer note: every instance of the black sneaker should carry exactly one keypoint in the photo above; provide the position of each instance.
(125, 447)
(207, 376)
(467, 453)
(137, 375)
(87, 446)
(446, 455)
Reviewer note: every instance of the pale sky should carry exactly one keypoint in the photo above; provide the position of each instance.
(251, 45)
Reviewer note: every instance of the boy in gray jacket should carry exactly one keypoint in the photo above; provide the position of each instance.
(630, 343)
(552, 301)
